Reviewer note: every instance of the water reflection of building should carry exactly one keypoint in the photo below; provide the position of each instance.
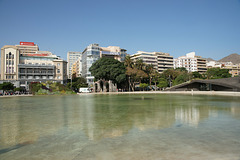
(189, 115)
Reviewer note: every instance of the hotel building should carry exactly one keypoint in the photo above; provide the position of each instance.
(161, 61)
(72, 57)
(24, 63)
(94, 52)
(191, 62)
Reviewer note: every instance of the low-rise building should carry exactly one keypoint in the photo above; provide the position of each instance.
(24, 63)
(234, 69)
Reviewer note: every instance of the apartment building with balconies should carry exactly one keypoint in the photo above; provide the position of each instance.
(191, 62)
(72, 57)
(160, 61)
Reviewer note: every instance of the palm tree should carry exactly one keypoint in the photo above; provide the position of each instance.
(150, 70)
(128, 61)
(139, 64)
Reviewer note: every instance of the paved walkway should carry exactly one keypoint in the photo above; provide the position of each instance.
(220, 93)
(22, 95)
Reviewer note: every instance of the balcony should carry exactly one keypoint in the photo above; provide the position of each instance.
(36, 66)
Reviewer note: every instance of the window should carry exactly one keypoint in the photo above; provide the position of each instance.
(58, 64)
(58, 71)
(6, 62)
(6, 56)
(13, 56)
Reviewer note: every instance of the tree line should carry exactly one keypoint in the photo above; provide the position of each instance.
(135, 74)
(129, 75)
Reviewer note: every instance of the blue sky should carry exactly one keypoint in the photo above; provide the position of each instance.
(211, 28)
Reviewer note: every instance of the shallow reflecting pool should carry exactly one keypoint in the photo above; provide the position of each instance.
(127, 127)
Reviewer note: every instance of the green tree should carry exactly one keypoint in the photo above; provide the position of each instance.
(135, 75)
(128, 62)
(35, 87)
(77, 83)
(216, 73)
(155, 78)
(139, 64)
(196, 75)
(162, 83)
(108, 69)
(150, 70)
(181, 79)
(6, 86)
(143, 85)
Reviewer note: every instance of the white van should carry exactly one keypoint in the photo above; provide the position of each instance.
(84, 90)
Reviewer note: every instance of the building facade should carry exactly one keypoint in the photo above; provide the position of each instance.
(234, 69)
(77, 67)
(72, 57)
(94, 52)
(24, 63)
(191, 62)
(160, 61)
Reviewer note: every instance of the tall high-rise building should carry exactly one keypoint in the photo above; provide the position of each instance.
(77, 67)
(72, 57)
(24, 63)
(94, 52)
(191, 62)
(160, 61)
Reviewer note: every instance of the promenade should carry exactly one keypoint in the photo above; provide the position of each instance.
(21, 95)
(218, 93)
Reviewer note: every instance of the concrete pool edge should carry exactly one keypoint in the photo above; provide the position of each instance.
(218, 93)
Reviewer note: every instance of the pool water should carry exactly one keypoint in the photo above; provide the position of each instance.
(127, 126)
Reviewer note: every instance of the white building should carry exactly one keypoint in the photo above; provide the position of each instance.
(191, 62)
(72, 57)
(160, 61)
(93, 52)
(77, 67)
(234, 69)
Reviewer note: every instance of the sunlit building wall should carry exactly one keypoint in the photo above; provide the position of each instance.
(160, 61)
(191, 62)
(24, 63)
(72, 57)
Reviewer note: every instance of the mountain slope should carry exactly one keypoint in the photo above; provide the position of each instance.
(234, 58)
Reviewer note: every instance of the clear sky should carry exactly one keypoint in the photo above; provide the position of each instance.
(211, 28)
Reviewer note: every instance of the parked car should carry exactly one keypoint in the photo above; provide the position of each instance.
(84, 90)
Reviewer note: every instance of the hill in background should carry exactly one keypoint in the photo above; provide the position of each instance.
(234, 58)
(209, 59)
